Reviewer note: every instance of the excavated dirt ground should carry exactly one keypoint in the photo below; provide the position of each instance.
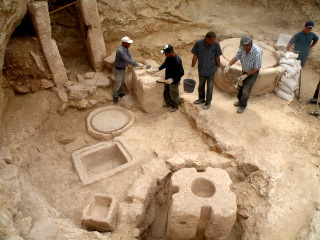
(282, 139)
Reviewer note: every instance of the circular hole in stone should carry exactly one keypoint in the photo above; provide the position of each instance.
(203, 188)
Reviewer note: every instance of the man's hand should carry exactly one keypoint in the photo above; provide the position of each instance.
(226, 69)
(219, 71)
(169, 81)
(243, 77)
(153, 71)
(140, 65)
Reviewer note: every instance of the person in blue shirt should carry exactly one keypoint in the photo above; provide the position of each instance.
(207, 52)
(174, 72)
(303, 41)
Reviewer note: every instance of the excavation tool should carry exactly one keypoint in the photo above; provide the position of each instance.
(299, 90)
(316, 111)
(161, 81)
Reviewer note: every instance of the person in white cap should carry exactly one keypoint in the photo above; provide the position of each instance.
(250, 56)
(123, 58)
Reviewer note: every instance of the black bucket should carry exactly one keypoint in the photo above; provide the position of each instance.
(188, 85)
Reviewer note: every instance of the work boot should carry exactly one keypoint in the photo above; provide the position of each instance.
(206, 106)
(236, 104)
(173, 109)
(198, 101)
(115, 100)
(241, 109)
(167, 105)
(313, 100)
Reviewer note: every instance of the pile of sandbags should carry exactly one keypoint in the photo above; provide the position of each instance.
(289, 82)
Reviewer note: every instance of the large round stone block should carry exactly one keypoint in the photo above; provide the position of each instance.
(269, 74)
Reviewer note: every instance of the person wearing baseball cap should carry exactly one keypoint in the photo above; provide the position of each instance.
(250, 56)
(123, 58)
(303, 41)
(174, 72)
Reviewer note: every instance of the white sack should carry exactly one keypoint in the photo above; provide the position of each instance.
(290, 82)
(284, 88)
(292, 70)
(291, 55)
(284, 95)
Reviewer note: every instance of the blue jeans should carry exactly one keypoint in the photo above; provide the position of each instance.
(245, 90)
(201, 88)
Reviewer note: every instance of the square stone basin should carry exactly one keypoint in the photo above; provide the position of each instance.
(101, 161)
(100, 213)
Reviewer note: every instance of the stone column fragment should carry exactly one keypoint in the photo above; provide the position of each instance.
(92, 33)
(39, 14)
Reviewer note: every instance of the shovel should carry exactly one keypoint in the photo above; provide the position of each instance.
(299, 90)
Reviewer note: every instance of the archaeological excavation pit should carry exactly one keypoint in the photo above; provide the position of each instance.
(269, 74)
(50, 193)
(101, 161)
(108, 122)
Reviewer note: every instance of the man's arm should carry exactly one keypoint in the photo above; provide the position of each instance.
(218, 63)
(289, 46)
(253, 71)
(124, 56)
(194, 60)
(233, 60)
(313, 43)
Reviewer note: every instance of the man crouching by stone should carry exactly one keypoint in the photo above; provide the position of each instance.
(174, 72)
(123, 58)
(250, 56)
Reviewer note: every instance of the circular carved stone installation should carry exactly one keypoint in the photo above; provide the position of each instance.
(269, 74)
(108, 122)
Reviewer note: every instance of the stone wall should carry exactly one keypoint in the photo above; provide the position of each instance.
(11, 14)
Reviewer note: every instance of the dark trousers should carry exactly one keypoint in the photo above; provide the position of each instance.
(171, 94)
(245, 90)
(202, 85)
(316, 93)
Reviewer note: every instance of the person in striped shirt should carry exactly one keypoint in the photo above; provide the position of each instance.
(250, 56)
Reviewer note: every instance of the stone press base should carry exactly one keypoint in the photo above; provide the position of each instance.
(202, 205)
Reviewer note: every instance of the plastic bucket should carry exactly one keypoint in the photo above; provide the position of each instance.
(188, 85)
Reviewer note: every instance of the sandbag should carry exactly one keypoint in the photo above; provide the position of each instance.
(291, 55)
(284, 88)
(290, 82)
(284, 95)
(291, 70)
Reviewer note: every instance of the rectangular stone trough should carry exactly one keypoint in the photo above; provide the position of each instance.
(100, 213)
(101, 161)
